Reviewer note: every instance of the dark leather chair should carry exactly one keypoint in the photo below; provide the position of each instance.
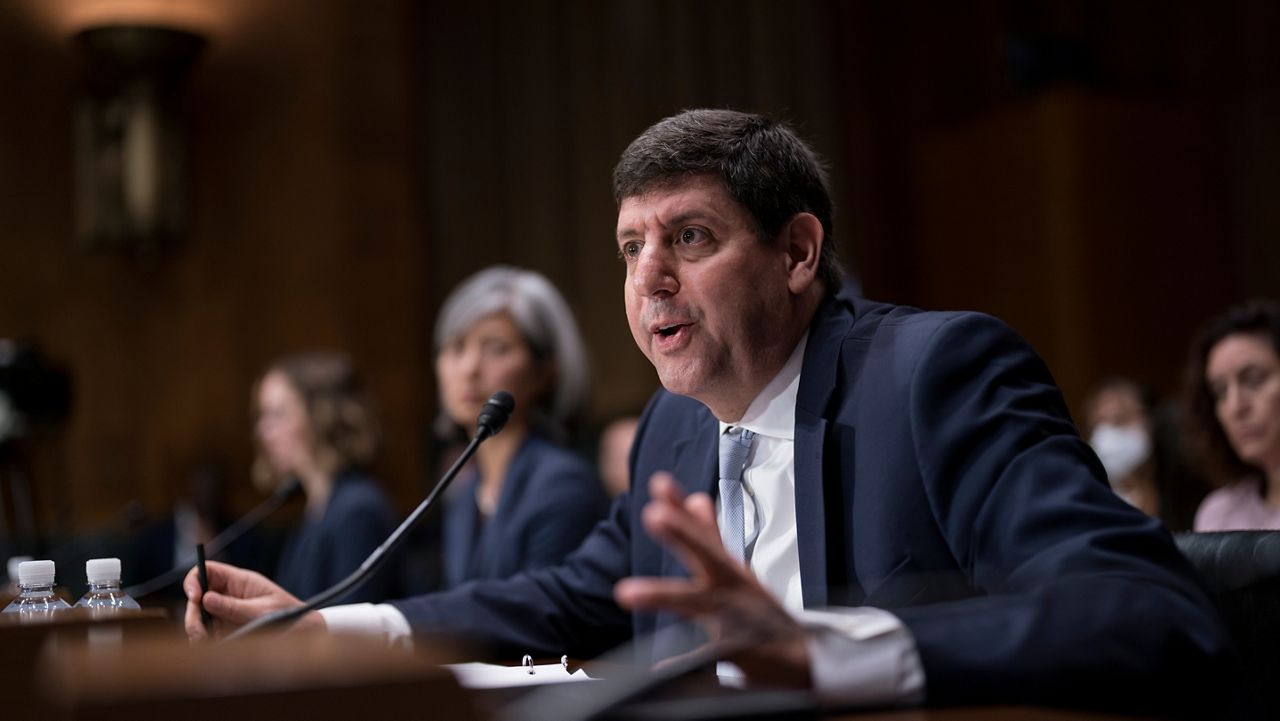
(1241, 571)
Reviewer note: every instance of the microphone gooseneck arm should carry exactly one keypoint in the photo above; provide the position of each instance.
(492, 418)
(220, 542)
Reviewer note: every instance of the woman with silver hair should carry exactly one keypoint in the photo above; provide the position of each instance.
(527, 501)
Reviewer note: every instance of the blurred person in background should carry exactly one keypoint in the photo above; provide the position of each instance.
(199, 515)
(1234, 414)
(526, 501)
(1119, 428)
(615, 449)
(314, 423)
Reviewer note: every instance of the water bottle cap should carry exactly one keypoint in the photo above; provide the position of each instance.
(35, 573)
(12, 566)
(102, 570)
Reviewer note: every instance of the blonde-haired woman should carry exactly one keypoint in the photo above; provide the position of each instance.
(314, 423)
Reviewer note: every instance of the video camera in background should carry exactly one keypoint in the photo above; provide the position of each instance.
(33, 392)
(35, 396)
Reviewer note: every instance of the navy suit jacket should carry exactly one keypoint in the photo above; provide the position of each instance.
(323, 551)
(550, 500)
(938, 475)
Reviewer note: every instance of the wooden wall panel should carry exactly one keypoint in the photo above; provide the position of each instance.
(352, 161)
(1083, 221)
(302, 236)
(528, 105)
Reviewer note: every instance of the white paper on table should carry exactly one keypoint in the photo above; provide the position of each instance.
(490, 675)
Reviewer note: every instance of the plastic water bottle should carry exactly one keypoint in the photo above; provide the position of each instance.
(104, 594)
(35, 585)
(11, 586)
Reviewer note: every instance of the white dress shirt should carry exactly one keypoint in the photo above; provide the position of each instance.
(858, 655)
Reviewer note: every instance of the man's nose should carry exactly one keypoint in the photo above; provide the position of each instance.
(654, 274)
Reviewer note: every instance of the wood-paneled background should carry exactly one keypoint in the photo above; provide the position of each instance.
(351, 161)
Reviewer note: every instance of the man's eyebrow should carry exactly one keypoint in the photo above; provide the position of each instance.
(675, 221)
(628, 232)
(693, 215)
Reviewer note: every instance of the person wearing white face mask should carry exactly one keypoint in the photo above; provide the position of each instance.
(1119, 428)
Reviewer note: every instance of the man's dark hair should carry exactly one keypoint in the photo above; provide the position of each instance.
(1205, 433)
(763, 164)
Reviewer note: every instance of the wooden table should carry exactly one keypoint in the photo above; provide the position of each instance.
(55, 670)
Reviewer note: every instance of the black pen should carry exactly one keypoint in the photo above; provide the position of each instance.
(203, 575)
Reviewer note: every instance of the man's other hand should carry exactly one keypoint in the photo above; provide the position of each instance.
(721, 594)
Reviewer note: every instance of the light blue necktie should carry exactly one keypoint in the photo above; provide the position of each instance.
(735, 443)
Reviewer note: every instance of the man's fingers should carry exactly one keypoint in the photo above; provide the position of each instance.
(225, 578)
(663, 487)
(236, 611)
(696, 544)
(192, 621)
(668, 525)
(702, 508)
(191, 584)
(669, 594)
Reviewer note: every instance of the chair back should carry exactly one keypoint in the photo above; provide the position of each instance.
(1241, 572)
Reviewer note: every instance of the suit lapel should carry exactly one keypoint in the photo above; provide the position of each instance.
(694, 462)
(817, 382)
(811, 525)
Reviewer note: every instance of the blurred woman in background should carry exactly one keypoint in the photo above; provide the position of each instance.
(1120, 431)
(1235, 414)
(314, 423)
(527, 501)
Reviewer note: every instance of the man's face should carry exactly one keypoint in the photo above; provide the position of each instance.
(707, 301)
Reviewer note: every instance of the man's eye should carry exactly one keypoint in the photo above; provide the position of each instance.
(629, 249)
(691, 235)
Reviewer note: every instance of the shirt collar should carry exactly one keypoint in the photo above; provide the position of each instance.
(773, 412)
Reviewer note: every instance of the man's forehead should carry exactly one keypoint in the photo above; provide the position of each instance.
(697, 195)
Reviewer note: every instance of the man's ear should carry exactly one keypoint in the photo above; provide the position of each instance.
(803, 238)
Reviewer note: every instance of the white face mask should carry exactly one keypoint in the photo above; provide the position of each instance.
(1120, 448)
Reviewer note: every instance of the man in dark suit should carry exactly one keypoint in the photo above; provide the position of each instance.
(883, 504)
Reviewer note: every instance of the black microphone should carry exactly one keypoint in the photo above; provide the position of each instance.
(219, 542)
(493, 416)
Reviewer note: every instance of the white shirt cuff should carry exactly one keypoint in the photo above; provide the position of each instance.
(862, 656)
(369, 619)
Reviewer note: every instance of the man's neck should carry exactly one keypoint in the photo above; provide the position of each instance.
(730, 406)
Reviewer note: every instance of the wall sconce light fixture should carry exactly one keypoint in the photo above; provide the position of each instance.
(129, 145)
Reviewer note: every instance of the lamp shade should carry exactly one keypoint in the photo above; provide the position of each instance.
(130, 151)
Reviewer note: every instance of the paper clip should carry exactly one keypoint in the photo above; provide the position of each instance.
(527, 662)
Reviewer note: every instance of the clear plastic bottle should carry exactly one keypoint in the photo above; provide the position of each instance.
(11, 585)
(104, 587)
(36, 597)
